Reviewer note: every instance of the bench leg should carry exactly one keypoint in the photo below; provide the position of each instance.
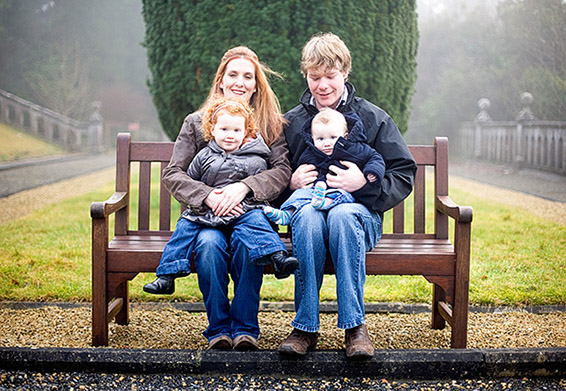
(99, 316)
(460, 328)
(461, 286)
(123, 316)
(437, 321)
(99, 282)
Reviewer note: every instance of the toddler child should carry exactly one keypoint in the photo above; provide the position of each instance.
(234, 152)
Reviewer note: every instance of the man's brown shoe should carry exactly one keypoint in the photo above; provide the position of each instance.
(358, 343)
(298, 343)
(222, 342)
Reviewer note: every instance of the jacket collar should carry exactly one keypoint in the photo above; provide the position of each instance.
(306, 99)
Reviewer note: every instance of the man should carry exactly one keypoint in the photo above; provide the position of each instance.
(347, 231)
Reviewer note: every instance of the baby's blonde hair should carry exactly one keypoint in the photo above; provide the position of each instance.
(236, 107)
(327, 115)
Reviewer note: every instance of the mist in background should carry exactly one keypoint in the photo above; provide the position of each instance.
(64, 54)
(487, 49)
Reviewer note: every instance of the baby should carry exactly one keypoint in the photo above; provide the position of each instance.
(331, 137)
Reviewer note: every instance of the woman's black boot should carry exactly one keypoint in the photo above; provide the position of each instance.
(163, 285)
(283, 266)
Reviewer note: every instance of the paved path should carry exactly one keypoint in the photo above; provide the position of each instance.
(29, 174)
(16, 177)
(538, 183)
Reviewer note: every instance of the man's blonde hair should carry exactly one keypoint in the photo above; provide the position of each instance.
(325, 51)
(330, 116)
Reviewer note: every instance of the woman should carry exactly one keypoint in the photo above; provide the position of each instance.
(220, 252)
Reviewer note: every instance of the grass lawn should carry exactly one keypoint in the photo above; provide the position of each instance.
(18, 145)
(517, 259)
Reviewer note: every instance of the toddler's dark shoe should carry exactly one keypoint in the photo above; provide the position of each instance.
(283, 266)
(163, 285)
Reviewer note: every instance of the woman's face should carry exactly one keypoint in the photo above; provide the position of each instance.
(239, 79)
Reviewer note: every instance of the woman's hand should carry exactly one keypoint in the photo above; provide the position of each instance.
(349, 179)
(303, 177)
(227, 200)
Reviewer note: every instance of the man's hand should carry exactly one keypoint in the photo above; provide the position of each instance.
(349, 179)
(303, 177)
(227, 201)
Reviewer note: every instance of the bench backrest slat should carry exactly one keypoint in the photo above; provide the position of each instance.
(123, 181)
(419, 200)
(146, 153)
(144, 195)
(441, 184)
(399, 218)
(164, 204)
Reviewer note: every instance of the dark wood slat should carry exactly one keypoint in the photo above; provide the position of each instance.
(419, 200)
(123, 181)
(147, 235)
(408, 236)
(164, 203)
(144, 195)
(114, 308)
(151, 152)
(441, 184)
(147, 259)
(423, 154)
(399, 218)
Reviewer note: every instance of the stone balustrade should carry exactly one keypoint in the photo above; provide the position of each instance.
(72, 135)
(523, 143)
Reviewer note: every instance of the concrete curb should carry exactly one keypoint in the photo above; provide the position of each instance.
(391, 364)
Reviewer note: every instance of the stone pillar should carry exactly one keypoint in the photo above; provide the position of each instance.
(524, 115)
(96, 129)
(483, 116)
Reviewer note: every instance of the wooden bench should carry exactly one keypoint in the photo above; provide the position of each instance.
(430, 254)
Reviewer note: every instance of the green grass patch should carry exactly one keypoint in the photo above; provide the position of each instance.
(18, 145)
(517, 258)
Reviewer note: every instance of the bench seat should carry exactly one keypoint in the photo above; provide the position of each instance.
(141, 254)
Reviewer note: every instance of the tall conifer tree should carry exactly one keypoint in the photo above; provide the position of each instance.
(186, 39)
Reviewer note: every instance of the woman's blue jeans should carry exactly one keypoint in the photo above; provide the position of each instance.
(347, 231)
(218, 253)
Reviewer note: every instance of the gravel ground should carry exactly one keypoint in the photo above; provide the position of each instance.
(71, 381)
(169, 328)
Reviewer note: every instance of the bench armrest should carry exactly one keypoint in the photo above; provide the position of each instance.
(101, 210)
(462, 214)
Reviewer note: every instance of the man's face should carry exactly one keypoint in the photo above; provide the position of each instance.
(326, 86)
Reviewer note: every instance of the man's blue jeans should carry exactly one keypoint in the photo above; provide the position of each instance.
(219, 252)
(347, 231)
